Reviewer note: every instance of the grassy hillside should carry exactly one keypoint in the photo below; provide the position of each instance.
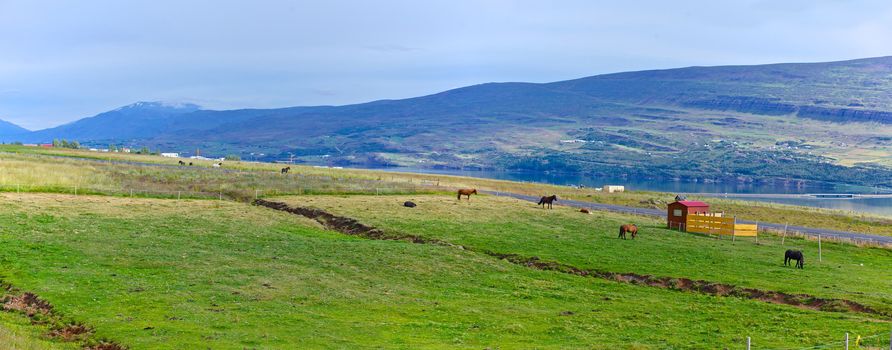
(166, 273)
(16, 332)
(510, 226)
(30, 169)
(173, 274)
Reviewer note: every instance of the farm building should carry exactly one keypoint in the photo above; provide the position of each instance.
(677, 215)
(613, 188)
(170, 155)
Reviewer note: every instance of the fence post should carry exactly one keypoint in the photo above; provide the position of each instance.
(748, 343)
(847, 340)
(178, 195)
(256, 193)
(784, 238)
(734, 229)
(131, 193)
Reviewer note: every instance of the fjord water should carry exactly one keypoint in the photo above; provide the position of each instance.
(881, 206)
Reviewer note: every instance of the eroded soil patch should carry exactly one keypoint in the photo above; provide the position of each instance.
(353, 227)
(41, 312)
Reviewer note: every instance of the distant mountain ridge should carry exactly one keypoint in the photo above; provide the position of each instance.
(136, 121)
(521, 124)
(8, 129)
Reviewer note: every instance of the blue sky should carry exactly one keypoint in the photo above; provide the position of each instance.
(64, 60)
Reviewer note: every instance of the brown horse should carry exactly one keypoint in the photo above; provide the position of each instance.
(585, 211)
(547, 200)
(630, 228)
(466, 192)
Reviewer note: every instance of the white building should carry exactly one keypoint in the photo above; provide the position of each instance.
(613, 188)
(170, 155)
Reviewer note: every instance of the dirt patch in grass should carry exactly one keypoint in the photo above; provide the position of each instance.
(347, 225)
(27, 303)
(41, 312)
(72, 332)
(353, 227)
(699, 286)
(106, 346)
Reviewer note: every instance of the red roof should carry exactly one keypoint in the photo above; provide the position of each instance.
(692, 203)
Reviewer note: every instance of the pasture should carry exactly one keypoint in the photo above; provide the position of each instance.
(242, 180)
(509, 226)
(164, 274)
(161, 273)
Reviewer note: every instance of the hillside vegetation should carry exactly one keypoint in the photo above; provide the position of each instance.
(65, 171)
(181, 274)
(510, 226)
(807, 121)
(149, 271)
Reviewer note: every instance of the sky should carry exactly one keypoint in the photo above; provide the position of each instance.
(64, 60)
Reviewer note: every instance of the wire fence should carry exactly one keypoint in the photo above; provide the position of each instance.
(220, 194)
(847, 341)
(792, 233)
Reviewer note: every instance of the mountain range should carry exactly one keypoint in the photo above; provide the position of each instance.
(713, 123)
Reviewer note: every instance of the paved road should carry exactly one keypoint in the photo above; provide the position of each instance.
(811, 231)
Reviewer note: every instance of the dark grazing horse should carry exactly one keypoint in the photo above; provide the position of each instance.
(285, 170)
(630, 228)
(182, 163)
(466, 192)
(547, 200)
(794, 255)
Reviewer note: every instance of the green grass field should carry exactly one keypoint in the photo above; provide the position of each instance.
(165, 274)
(161, 273)
(506, 225)
(60, 170)
(16, 332)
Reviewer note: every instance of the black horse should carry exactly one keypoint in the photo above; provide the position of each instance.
(794, 255)
(285, 170)
(182, 163)
(547, 200)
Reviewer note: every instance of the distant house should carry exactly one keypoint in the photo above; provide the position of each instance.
(46, 145)
(677, 214)
(127, 150)
(613, 188)
(170, 155)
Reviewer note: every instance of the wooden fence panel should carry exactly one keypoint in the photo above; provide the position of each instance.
(746, 230)
(716, 225)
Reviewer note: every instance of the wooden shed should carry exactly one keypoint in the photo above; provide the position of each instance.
(677, 214)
